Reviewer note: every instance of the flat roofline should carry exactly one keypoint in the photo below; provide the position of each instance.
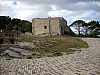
(47, 18)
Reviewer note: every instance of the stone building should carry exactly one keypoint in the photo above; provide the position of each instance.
(50, 25)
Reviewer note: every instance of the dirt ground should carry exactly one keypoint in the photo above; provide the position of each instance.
(86, 62)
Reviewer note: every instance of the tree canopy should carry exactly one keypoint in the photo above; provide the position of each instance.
(93, 24)
(80, 24)
(6, 24)
(77, 25)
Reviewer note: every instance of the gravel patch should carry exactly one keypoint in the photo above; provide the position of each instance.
(86, 62)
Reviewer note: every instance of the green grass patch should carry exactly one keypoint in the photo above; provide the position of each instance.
(80, 43)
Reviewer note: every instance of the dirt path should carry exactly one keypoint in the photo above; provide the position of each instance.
(87, 62)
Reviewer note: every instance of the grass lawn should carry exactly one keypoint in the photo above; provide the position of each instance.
(57, 46)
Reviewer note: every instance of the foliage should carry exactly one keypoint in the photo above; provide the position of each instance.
(95, 33)
(78, 24)
(87, 27)
(6, 23)
(22, 25)
(92, 34)
(16, 24)
(26, 26)
(93, 24)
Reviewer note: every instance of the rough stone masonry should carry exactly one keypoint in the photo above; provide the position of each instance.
(50, 25)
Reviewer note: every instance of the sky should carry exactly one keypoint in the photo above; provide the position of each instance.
(71, 10)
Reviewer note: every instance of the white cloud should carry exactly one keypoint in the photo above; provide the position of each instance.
(60, 13)
(69, 9)
(98, 3)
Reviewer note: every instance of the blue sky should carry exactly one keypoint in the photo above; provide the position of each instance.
(71, 10)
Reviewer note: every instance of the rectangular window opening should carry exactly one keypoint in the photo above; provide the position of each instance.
(45, 27)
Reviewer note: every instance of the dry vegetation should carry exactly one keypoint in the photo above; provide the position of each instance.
(57, 46)
(36, 47)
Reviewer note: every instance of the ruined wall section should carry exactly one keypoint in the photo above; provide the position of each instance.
(55, 28)
(50, 25)
(40, 26)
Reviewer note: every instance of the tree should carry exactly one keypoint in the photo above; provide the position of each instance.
(93, 24)
(78, 25)
(85, 26)
(26, 26)
(22, 25)
(5, 23)
(16, 24)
